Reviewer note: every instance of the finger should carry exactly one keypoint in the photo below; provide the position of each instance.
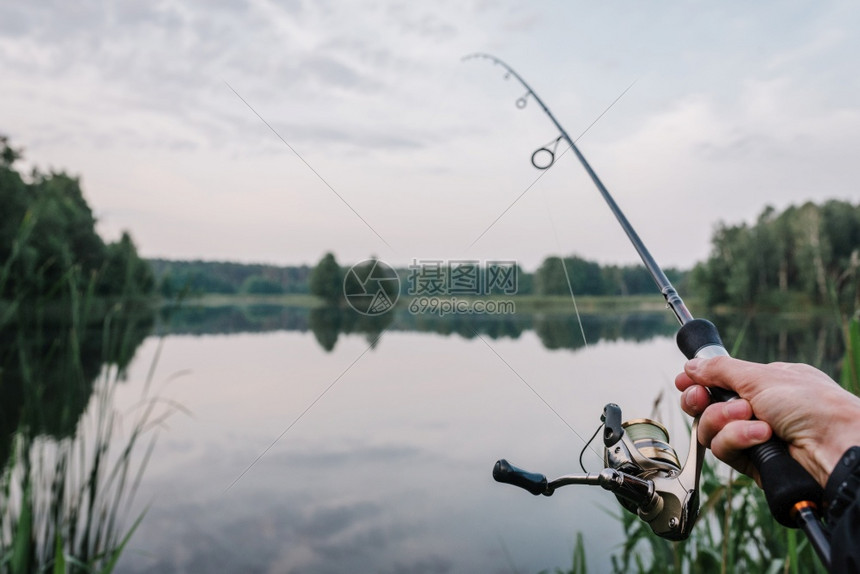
(683, 382)
(737, 436)
(728, 446)
(695, 400)
(718, 415)
(725, 372)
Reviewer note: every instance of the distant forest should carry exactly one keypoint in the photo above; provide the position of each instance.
(227, 278)
(804, 255)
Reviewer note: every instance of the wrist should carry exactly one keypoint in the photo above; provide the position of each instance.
(842, 433)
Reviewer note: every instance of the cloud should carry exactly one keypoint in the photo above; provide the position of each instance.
(138, 66)
(373, 94)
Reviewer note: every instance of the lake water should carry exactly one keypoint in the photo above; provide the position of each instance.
(390, 470)
(323, 442)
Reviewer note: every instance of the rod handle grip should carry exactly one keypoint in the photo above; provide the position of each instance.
(784, 481)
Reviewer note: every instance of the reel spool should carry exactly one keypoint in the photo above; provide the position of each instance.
(651, 439)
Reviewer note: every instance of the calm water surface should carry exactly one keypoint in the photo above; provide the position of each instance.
(390, 471)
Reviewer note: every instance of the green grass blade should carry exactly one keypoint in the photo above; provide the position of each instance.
(22, 546)
(117, 552)
(59, 557)
(851, 364)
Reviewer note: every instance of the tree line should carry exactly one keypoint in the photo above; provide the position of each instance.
(551, 278)
(49, 247)
(326, 278)
(228, 278)
(804, 254)
(590, 278)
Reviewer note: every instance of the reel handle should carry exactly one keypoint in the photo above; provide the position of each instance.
(507, 473)
(784, 481)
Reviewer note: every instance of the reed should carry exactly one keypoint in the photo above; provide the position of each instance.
(74, 464)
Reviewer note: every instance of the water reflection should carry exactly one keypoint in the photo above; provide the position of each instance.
(49, 365)
(65, 484)
(327, 323)
(560, 331)
(390, 470)
(814, 339)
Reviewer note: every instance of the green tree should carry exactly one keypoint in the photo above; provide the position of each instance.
(259, 285)
(199, 277)
(811, 251)
(48, 240)
(586, 277)
(124, 271)
(326, 280)
(525, 281)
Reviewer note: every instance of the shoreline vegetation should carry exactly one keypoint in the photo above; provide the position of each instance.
(73, 310)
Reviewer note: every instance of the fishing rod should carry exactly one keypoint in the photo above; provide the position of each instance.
(642, 469)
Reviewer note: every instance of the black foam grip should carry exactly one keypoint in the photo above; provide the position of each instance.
(720, 395)
(505, 472)
(695, 335)
(784, 481)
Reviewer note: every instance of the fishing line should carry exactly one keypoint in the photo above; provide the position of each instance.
(550, 148)
(309, 166)
(304, 412)
(564, 267)
(555, 158)
(532, 389)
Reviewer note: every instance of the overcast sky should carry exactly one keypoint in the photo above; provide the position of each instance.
(736, 105)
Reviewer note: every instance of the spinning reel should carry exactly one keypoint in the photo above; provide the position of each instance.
(642, 470)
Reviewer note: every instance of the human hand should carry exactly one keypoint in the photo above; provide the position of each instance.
(804, 407)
